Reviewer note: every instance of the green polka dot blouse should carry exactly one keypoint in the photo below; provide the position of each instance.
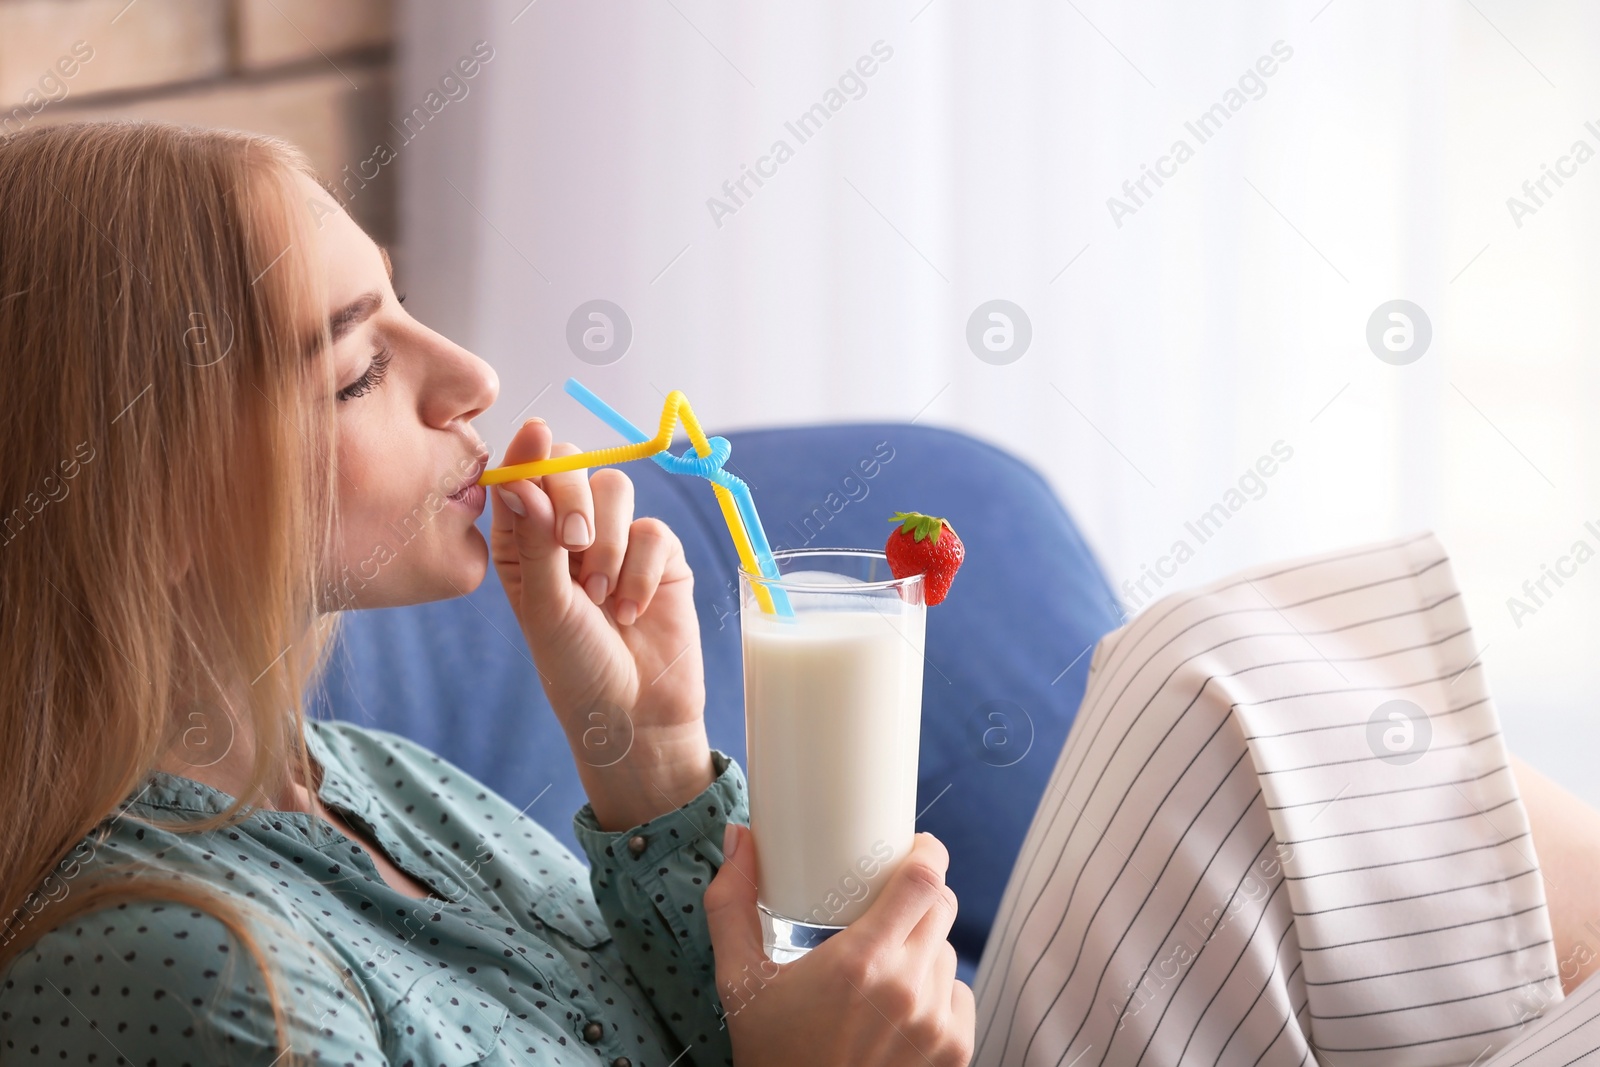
(521, 955)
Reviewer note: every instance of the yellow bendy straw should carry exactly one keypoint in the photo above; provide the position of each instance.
(733, 496)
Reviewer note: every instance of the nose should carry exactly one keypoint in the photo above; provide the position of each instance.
(459, 386)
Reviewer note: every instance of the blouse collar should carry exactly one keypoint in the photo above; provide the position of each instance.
(176, 792)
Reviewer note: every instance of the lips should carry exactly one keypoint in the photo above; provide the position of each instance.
(471, 494)
(479, 465)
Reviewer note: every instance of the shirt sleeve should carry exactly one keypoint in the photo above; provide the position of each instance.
(147, 982)
(651, 880)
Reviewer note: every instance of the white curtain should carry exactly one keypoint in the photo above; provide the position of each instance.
(1186, 339)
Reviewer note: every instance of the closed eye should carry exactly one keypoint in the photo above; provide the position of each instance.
(369, 379)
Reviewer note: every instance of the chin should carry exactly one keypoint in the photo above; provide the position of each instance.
(473, 564)
(452, 572)
(459, 570)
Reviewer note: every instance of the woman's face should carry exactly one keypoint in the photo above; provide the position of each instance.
(407, 455)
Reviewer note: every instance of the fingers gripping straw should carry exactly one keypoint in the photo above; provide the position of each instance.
(733, 496)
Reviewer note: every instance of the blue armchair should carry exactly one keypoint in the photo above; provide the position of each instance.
(1007, 652)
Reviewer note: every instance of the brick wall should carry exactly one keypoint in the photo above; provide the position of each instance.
(315, 72)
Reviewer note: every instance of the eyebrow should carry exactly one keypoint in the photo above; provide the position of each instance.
(360, 309)
(353, 314)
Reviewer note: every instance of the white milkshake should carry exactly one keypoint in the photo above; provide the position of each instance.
(833, 708)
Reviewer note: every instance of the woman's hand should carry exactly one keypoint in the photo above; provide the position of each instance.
(883, 991)
(606, 605)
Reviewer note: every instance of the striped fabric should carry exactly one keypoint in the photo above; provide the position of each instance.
(1283, 831)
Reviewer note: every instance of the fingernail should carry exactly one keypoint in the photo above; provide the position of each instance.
(576, 531)
(627, 611)
(510, 500)
(534, 419)
(596, 588)
(730, 841)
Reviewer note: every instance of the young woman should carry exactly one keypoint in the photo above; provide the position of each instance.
(1283, 830)
(214, 400)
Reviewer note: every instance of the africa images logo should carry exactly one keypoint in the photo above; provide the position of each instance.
(1399, 732)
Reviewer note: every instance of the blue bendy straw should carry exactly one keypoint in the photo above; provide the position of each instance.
(708, 467)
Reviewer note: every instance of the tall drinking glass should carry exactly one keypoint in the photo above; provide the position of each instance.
(833, 718)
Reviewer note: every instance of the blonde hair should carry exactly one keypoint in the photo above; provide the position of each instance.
(167, 492)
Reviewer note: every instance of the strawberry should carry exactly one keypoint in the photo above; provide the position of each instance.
(926, 545)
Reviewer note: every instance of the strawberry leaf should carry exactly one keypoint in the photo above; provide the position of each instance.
(919, 526)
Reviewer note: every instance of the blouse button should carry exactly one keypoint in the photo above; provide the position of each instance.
(593, 1033)
(636, 845)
